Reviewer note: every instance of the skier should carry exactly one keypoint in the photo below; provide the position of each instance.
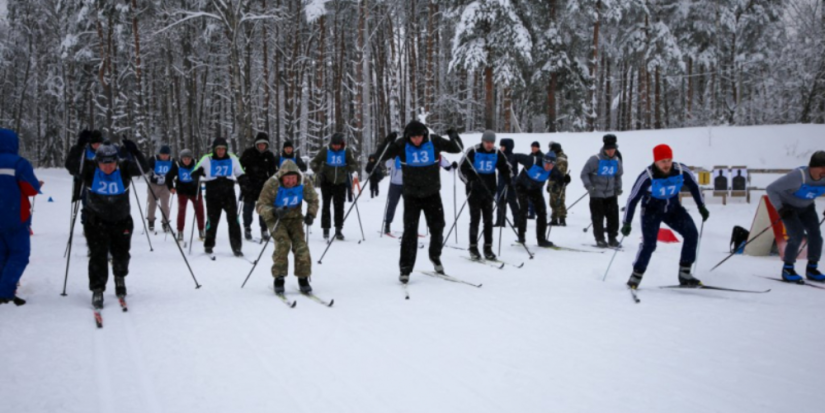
(506, 146)
(658, 189)
(280, 204)
(334, 164)
(259, 163)
(376, 174)
(394, 193)
(17, 184)
(160, 167)
(537, 169)
(87, 144)
(602, 178)
(419, 154)
(535, 150)
(109, 222)
(558, 193)
(794, 196)
(186, 186)
(288, 153)
(220, 169)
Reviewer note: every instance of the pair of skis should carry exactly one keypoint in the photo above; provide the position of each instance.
(496, 263)
(98, 311)
(292, 303)
(635, 296)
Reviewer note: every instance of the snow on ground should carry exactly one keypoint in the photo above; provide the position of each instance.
(548, 337)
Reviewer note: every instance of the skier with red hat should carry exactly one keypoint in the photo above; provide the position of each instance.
(658, 189)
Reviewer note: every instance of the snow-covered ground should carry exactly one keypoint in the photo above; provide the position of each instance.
(548, 337)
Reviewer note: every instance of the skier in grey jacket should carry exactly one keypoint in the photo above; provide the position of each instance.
(794, 196)
(602, 178)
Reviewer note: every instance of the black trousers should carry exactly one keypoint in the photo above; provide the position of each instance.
(248, 209)
(373, 188)
(481, 208)
(601, 208)
(215, 205)
(536, 196)
(336, 194)
(102, 238)
(434, 215)
(511, 199)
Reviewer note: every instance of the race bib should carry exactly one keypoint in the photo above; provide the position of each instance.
(221, 167)
(107, 184)
(421, 156)
(608, 168)
(337, 158)
(809, 192)
(289, 197)
(185, 175)
(667, 188)
(90, 154)
(537, 173)
(485, 163)
(162, 167)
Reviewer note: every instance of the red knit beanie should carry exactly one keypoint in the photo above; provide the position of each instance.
(662, 152)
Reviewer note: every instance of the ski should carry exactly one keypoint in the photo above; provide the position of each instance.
(122, 301)
(558, 248)
(620, 249)
(633, 294)
(485, 262)
(449, 278)
(318, 300)
(98, 317)
(387, 234)
(406, 291)
(289, 303)
(786, 282)
(507, 263)
(710, 287)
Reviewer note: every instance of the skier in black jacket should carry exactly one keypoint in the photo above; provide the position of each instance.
(419, 154)
(376, 174)
(506, 146)
(538, 168)
(109, 222)
(288, 153)
(259, 163)
(478, 172)
(187, 187)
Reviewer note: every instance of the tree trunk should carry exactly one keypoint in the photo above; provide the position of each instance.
(658, 109)
(689, 88)
(508, 109)
(608, 98)
(489, 99)
(593, 68)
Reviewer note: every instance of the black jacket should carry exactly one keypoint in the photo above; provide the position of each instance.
(508, 145)
(527, 162)
(423, 181)
(182, 188)
(295, 157)
(259, 166)
(475, 181)
(155, 178)
(110, 208)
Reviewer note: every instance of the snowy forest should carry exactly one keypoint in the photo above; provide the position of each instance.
(182, 72)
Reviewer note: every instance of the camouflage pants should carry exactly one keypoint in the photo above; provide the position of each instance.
(558, 199)
(290, 235)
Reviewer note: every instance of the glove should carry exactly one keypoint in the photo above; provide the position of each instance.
(308, 220)
(131, 146)
(704, 212)
(391, 137)
(567, 179)
(786, 213)
(590, 190)
(452, 134)
(281, 212)
(454, 165)
(619, 192)
(626, 229)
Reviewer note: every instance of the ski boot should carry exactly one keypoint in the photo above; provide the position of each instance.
(612, 242)
(201, 235)
(600, 243)
(790, 275)
(326, 233)
(151, 226)
(437, 265)
(546, 244)
(247, 233)
(180, 236)
(207, 250)
(16, 300)
(686, 279)
(97, 299)
(237, 253)
(279, 285)
(165, 227)
(812, 273)
(634, 280)
(120, 286)
(387, 230)
(404, 277)
(474, 254)
(264, 235)
(562, 222)
(488, 252)
(554, 222)
(303, 283)
(338, 234)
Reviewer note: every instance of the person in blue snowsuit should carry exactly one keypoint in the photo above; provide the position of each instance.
(794, 196)
(17, 184)
(658, 190)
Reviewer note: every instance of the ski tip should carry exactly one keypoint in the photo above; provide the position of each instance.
(294, 303)
(198, 286)
(520, 265)
(331, 302)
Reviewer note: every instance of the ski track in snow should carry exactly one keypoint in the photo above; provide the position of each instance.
(550, 336)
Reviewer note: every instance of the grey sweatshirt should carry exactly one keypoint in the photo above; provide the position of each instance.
(602, 186)
(784, 190)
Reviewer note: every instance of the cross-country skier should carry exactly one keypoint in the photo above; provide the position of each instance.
(288, 153)
(109, 222)
(558, 192)
(478, 172)
(87, 144)
(220, 169)
(259, 163)
(602, 178)
(394, 193)
(376, 174)
(510, 199)
(17, 184)
(658, 189)
(281, 201)
(334, 164)
(419, 154)
(186, 186)
(537, 169)
(794, 196)
(160, 167)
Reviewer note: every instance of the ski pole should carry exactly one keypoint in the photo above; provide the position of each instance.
(495, 208)
(332, 239)
(455, 197)
(137, 199)
(577, 201)
(69, 247)
(140, 167)
(501, 228)
(168, 224)
(804, 244)
(74, 210)
(611, 260)
(386, 208)
(460, 211)
(198, 198)
(746, 244)
(261, 254)
(358, 214)
(588, 227)
(698, 245)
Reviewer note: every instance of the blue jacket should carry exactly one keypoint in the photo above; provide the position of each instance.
(17, 183)
(650, 204)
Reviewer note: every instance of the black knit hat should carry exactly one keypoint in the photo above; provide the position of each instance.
(415, 128)
(535, 144)
(555, 147)
(220, 142)
(609, 138)
(262, 138)
(817, 160)
(96, 137)
(337, 139)
(165, 150)
(288, 144)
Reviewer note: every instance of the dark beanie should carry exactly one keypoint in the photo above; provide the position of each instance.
(218, 142)
(535, 144)
(415, 128)
(288, 144)
(165, 150)
(817, 160)
(262, 138)
(555, 147)
(609, 138)
(337, 139)
(96, 137)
